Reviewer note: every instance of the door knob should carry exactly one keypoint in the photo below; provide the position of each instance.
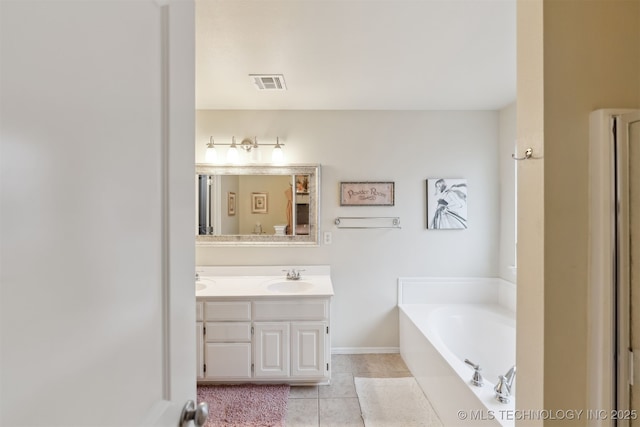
(197, 414)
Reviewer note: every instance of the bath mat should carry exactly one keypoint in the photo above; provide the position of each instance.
(245, 405)
(394, 402)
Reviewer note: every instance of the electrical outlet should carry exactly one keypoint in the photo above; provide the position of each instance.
(327, 237)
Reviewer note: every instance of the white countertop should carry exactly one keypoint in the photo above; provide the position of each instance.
(269, 281)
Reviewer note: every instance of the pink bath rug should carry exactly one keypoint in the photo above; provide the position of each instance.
(245, 405)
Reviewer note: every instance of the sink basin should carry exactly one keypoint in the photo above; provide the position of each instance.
(289, 287)
(202, 284)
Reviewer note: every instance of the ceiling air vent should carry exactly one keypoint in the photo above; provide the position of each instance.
(268, 81)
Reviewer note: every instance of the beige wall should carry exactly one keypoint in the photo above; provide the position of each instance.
(530, 305)
(590, 59)
(275, 187)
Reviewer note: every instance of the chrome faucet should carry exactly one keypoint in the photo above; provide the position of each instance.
(505, 383)
(476, 380)
(293, 274)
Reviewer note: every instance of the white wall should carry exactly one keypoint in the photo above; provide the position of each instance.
(507, 147)
(404, 147)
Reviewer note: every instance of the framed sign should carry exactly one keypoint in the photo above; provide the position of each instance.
(367, 193)
(259, 203)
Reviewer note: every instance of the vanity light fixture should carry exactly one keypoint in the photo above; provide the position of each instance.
(249, 146)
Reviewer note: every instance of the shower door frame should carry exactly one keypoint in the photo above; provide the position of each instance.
(609, 358)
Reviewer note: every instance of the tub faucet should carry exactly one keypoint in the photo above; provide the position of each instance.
(503, 388)
(476, 380)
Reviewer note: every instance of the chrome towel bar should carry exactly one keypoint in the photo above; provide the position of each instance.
(367, 222)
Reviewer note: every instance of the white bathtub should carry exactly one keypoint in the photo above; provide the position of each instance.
(444, 321)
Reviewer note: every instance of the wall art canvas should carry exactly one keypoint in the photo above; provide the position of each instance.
(446, 203)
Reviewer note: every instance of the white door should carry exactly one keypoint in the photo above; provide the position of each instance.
(97, 210)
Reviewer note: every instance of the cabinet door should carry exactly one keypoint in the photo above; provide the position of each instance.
(228, 361)
(308, 349)
(199, 351)
(271, 347)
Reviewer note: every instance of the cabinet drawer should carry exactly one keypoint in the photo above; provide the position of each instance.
(291, 310)
(228, 331)
(199, 311)
(227, 310)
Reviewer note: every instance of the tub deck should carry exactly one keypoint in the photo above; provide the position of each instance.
(440, 372)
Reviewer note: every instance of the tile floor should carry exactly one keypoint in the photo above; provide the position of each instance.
(337, 404)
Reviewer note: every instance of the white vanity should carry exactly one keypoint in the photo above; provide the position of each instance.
(255, 325)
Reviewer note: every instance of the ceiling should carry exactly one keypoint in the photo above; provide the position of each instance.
(357, 54)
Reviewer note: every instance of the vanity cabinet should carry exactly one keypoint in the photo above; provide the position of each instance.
(227, 336)
(285, 339)
(199, 340)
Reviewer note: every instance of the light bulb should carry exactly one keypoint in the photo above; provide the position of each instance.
(233, 155)
(277, 156)
(211, 155)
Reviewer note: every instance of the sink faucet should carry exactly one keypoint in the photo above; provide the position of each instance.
(503, 388)
(293, 274)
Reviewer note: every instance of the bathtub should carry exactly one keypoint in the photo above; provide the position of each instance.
(444, 321)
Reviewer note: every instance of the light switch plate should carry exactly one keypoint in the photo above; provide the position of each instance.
(327, 237)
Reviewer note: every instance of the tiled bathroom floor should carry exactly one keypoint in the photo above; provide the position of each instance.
(337, 404)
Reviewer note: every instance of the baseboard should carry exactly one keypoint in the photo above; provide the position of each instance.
(364, 350)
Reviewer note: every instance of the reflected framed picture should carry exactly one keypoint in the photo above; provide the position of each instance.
(302, 184)
(446, 204)
(231, 203)
(259, 203)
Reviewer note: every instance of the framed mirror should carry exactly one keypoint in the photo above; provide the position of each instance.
(257, 205)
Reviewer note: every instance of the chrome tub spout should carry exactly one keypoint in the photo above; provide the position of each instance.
(505, 383)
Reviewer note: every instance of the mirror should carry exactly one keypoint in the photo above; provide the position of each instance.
(257, 205)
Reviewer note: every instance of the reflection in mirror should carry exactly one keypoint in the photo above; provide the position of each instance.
(265, 202)
(257, 205)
